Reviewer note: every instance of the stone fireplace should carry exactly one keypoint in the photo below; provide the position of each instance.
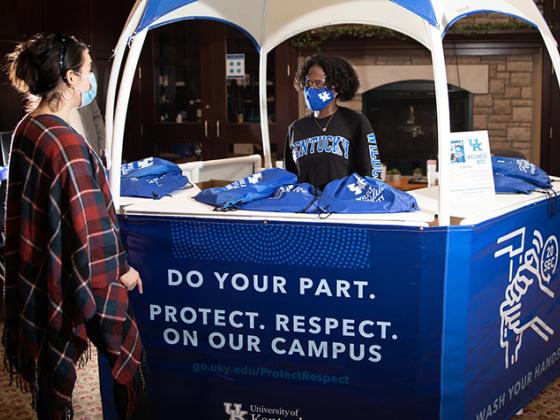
(403, 116)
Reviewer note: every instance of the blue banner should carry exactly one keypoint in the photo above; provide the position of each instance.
(158, 8)
(260, 320)
(422, 8)
(502, 314)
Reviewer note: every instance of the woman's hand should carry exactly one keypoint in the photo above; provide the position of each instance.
(132, 279)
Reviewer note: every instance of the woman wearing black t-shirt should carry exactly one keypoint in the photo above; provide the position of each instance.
(332, 142)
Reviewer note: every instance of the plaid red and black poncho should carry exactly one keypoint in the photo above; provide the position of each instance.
(64, 259)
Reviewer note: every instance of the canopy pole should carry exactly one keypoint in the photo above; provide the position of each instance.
(444, 128)
(120, 115)
(264, 109)
(118, 56)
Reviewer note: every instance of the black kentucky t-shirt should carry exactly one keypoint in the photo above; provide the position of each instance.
(348, 145)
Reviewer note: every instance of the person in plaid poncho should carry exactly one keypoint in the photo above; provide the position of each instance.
(67, 277)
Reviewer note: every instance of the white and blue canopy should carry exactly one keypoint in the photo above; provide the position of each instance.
(270, 22)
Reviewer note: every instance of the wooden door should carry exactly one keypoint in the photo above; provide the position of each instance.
(550, 133)
(192, 102)
(178, 87)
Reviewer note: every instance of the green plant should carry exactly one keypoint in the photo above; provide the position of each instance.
(484, 28)
(315, 38)
(393, 171)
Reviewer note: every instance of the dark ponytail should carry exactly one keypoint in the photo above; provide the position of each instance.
(35, 68)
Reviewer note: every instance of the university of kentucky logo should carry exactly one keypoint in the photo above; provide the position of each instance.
(235, 411)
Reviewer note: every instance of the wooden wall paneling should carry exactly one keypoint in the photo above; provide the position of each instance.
(287, 96)
(554, 111)
(137, 143)
(550, 123)
(553, 166)
(11, 109)
(133, 146)
(69, 17)
(107, 19)
(545, 113)
(11, 102)
(213, 88)
(21, 18)
(96, 22)
(146, 103)
(521, 43)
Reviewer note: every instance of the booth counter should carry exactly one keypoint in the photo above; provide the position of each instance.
(349, 316)
(450, 312)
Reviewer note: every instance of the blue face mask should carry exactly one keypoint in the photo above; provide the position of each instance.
(89, 95)
(317, 99)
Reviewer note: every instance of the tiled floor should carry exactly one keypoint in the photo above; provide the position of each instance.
(15, 405)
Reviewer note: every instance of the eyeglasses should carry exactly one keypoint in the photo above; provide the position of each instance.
(317, 84)
(62, 54)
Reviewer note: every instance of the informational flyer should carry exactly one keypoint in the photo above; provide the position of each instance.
(471, 166)
(235, 66)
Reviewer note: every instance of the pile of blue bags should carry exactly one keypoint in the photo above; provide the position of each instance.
(514, 175)
(151, 178)
(277, 190)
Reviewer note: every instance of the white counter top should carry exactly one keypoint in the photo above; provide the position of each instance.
(476, 211)
(182, 204)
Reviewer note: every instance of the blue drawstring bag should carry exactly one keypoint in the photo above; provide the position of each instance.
(504, 184)
(520, 169)
(355, 194)
(294, 198)
(151, 178)
(151, 166)
(254, 187)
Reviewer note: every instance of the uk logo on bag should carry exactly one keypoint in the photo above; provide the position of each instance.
(253, 187)
(355, 194)
(365, 192)
(151, 178)
(250, 180)
(357, 188)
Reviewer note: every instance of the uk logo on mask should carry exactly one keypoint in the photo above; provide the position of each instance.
(325, 96)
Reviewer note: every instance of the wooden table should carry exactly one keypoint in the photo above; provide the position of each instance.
(404, 185)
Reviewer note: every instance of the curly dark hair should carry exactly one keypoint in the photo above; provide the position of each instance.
(339, 73)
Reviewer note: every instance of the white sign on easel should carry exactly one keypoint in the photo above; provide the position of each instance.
(471, 166)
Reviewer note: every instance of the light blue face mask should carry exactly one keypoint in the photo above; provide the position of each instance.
(89, 95)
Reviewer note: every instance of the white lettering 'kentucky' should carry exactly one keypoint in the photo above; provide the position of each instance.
(337, 145)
